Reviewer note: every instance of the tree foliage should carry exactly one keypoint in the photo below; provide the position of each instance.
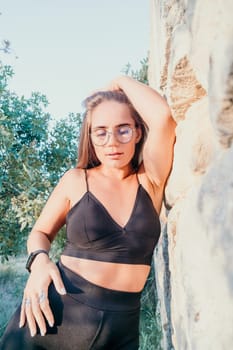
(140, 74)
(34, 151)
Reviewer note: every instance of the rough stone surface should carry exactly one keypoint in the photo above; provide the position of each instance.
(191, 63)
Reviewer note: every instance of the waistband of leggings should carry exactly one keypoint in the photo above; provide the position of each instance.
(96, 296)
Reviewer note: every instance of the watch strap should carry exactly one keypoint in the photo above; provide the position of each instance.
(32, 256)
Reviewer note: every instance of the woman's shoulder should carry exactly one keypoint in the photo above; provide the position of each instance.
(73, 183)
(72, 177)
(74, 173)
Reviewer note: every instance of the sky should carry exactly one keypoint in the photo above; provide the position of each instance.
(66, 49)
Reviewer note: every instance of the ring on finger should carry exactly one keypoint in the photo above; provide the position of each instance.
(42, 297)
(27, 301)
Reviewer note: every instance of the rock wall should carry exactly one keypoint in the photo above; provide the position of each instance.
(191, 63)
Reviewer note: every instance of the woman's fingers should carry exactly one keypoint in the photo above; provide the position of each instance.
(22, 318)
(44, 306)
(29, 315)
(116, 83)
(35, 307)
(56, 277)
(40, 308)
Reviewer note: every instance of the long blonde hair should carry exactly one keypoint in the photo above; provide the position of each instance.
(86, 153)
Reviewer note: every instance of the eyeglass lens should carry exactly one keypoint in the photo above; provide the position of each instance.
(123, 134)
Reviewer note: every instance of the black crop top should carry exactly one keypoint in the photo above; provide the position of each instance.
(93, 234)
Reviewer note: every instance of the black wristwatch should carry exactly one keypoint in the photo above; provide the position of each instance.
(32, 256)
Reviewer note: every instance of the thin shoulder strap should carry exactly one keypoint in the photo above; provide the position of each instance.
(85, 170)
(137, 178)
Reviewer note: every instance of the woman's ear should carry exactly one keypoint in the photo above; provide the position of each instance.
(138, 134)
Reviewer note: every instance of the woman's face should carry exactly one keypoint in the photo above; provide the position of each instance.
(109, 123)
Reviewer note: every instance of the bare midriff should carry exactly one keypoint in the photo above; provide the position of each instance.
(123, 277)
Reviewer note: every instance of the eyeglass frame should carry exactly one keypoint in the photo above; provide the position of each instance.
(108, 133)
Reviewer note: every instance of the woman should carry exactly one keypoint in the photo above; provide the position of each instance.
(110, 205)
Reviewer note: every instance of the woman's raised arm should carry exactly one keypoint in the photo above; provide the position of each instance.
(154, 110)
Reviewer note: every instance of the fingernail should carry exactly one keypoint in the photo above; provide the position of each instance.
(63, 291)
(20, 325)
(42, 333)
(33, 334)
(51, 324)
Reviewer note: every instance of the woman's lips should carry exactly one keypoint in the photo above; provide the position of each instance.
(114, 155)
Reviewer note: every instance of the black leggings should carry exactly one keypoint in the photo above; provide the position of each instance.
(88, 317)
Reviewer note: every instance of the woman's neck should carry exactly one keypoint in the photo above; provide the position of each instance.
(116, 173)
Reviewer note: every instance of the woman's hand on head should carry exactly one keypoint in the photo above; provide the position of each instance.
(116, 84)
(35, 308)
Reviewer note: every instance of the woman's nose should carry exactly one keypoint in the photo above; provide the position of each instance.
(112, 140)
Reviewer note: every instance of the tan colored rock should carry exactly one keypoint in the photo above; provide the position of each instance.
(224, 120)
(185, 89)
(193, 150)
(191, 63)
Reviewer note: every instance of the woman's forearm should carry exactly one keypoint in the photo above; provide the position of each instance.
(148, 103)
(38, 240)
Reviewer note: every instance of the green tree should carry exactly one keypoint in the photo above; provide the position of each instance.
(34, 151)
(140, 74)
